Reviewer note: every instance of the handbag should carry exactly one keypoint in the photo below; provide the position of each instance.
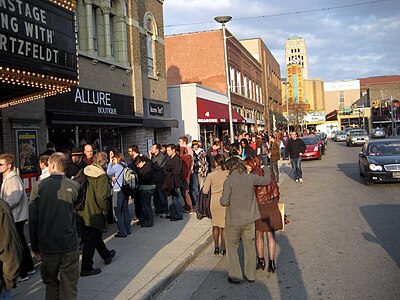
(203, 208)
(285, 219)
(268, 192)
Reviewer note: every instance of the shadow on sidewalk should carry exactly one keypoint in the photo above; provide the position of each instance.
(139, 259)
(385, 222)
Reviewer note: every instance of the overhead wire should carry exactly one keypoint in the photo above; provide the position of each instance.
(283, 14)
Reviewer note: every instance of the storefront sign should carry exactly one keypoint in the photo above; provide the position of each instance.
(156, 109)
(38, 36)
(91, 101)
(27, 150)
(315, 116)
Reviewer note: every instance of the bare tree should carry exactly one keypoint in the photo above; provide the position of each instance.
(297, 112)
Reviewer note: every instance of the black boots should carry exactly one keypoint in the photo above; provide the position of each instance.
(271, 266)
(261, 263)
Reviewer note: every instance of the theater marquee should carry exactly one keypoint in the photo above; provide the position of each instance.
(38, 50)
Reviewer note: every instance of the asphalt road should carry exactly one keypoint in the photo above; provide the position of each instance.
(343, 241)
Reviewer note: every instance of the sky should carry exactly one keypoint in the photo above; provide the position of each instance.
(344, 43)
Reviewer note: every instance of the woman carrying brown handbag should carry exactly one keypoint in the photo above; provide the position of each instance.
(270, 221)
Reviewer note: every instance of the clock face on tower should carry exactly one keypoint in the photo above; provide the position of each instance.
(296, 60)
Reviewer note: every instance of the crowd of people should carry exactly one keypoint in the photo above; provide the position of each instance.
(79, 192)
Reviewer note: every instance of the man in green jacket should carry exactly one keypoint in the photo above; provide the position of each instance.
(10, 250)
(52, 228)
(94, 215)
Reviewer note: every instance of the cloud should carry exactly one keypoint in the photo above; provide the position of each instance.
(342, 43)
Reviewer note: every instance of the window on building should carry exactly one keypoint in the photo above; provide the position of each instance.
(95, 29)
(250, 89)
(151, 34)
(239, 82)
(245, 92)
(341, 99)
(232, 79)
(112, 35)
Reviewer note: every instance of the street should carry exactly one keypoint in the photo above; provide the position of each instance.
(342, 243)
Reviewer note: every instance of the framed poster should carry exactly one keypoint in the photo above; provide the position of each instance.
(27, 151)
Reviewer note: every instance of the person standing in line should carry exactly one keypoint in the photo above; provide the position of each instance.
(275, 157)
(10, 251)
(88, 151)
(94, 215)
(271, 220)
(215, 183)
(160, 198)
(185, 173)
(200, 166)
(296, 147)
(52, 228)
(44, 166)
(134, 153)
(13, 192)
(115, 169)
(173, 182)
(246, 150)
(241, 211)
(145, 190)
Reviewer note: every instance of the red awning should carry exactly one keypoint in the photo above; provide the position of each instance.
(215, 112)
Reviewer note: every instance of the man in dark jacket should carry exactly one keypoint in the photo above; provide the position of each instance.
(295, 148)
(160, 198)
(52, 228)
(173, 182)
(10, 251)
(93, 215)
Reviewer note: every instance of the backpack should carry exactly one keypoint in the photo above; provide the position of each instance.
(130, 182)
(81, 178)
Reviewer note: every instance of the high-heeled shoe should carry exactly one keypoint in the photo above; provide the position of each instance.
(223, 252)
(260, 263)
(271, 266)
(216, 250)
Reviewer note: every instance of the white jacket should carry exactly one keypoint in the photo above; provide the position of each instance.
(13, 192)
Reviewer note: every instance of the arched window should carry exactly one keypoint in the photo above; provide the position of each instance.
(151, 34)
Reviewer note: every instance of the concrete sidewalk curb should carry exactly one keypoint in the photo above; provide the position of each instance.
(161, 282)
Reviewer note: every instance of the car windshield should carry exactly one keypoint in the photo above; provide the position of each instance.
(310, 141)
(340, 133)
(358, 132)
(385, 148)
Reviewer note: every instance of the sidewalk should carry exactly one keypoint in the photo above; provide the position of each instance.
(146, 261)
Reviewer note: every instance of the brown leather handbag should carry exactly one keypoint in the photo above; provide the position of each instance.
(268, 192)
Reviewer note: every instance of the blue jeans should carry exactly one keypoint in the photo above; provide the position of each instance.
(194, 189)
(296, 166)
(5, 295)
(121, 212)
(175, 209)
(145, 206)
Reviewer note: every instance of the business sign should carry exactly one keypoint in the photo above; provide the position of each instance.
(38, 36)
(92, 102)
(156, 109)
(315, 116)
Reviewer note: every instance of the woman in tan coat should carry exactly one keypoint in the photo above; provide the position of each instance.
(215, 183)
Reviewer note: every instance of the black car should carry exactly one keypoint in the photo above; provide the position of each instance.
(379, 161)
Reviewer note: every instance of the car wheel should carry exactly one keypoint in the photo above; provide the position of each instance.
(368, 182)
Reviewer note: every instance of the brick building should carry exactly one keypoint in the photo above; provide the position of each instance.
(122, 94)
(271, 74)
(199, 57)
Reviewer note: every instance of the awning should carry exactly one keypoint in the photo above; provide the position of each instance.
(215, 112)
(160, 123)
(250, 121)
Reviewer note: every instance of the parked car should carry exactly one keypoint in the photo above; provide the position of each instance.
(320, 142)
(313, 148)
(340, 136)
(356, 137)
(378, 133)
(379, 161)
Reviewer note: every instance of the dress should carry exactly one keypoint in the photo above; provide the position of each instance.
(271, 219)
(215, 183)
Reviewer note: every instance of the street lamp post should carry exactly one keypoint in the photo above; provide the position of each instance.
(222, 20)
